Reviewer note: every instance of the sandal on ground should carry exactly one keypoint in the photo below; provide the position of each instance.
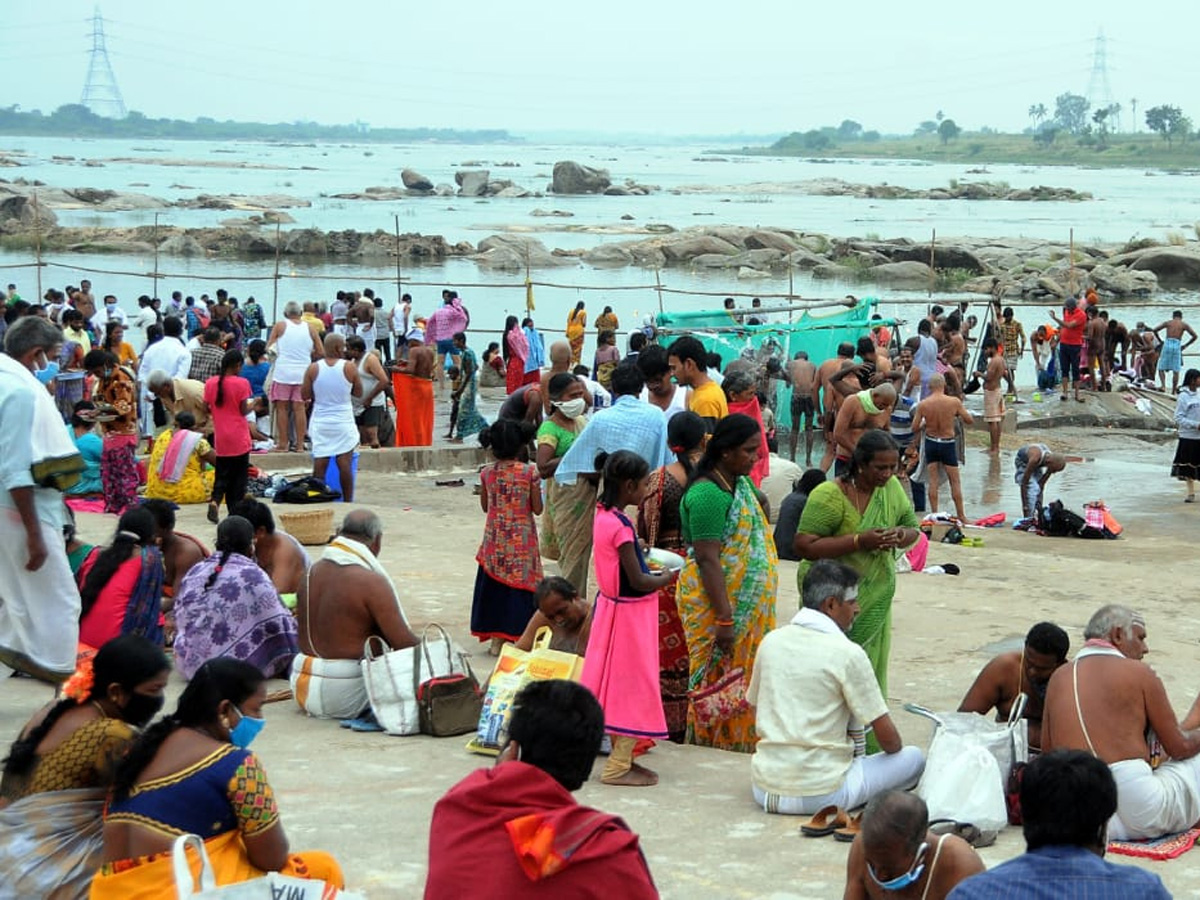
(965, 830)
(825, 822)
(1190, 498)
(213, 513)
(851, 830)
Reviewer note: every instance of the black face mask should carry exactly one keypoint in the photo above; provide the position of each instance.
(141, 708)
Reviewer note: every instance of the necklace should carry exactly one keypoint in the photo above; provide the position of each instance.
(721, 480)
(100, 709)
(858, 497)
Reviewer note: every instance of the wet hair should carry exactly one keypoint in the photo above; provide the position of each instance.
(1067, 798)
(162, 510)
(1048, 638)
(809, 481)
(685, 433)
(731, 432)
(231, 360)
(688, 347)
(234, 535)
(618, 468)
(865, 347)
(558, 384)
(127, 660)
(256, 513)
(256, 350)
(216, 681)
(990, 344)
(1008, 312)
(136, 526)
(826, 578)
(506, 438)
(845, 350)
(554, 584)
(653, 363)
(558, 726)
(82, 406)
(874, 440)
(627, 380)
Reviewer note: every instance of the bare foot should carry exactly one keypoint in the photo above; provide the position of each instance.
(637, 776)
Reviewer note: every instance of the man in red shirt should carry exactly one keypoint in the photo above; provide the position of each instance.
(1070, 343)
(514, 830)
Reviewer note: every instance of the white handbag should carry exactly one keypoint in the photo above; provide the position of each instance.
(269, 887)
(388, 675)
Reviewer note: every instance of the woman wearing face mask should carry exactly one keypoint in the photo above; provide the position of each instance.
(59, 770)
(569, 508)
(191, 773)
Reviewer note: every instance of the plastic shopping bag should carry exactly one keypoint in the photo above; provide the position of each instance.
(269, 887)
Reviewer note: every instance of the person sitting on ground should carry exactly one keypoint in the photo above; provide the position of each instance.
(896, 852)
(279, 554)
(518, 822)
(58, 772)
(1011, 674)
(1034, 464)
(1067, 800)
(121, 585)
(790, 511)
(935, 421)
(559, 608)
(90, 446)
(1108, 711)
(180, 551)
(347, 598)
(176, 471)
(191, 773)
(815, 691)
(263, 633)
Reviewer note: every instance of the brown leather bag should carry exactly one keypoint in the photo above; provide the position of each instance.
(450, 704)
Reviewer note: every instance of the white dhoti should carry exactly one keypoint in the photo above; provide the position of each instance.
(329, 688)
(39, 611)
(1155, 802)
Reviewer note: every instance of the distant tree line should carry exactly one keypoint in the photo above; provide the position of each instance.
(1071, 117)
(76, 120)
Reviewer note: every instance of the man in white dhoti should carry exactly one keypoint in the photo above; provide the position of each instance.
(330, 383)
(39, 602)
(346, 598)
(1103, 703)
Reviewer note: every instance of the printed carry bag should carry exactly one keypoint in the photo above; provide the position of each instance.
(389, 677)
(269, 887)
(515, 669)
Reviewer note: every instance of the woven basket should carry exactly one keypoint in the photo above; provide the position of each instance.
(312, 526)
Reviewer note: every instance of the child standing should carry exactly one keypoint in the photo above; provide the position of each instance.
(621, 664)
(456, 388)
(510, 564)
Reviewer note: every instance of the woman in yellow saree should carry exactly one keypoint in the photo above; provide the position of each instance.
(176, 468)
(576, 323)
(726, 592)
(192, 774)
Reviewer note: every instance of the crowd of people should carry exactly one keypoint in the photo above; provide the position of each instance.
(648, 480)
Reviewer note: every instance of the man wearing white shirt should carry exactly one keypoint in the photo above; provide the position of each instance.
(813, 688)
(167, 354)
(401, 314)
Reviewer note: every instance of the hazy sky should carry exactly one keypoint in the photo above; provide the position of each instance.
(665, 67)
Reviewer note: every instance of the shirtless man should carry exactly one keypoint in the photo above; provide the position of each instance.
(347, 598)
(933, 422)
(1096, 364)
(1103, 703)
(420, 360)
(524, 404)
(802, 376)
(1115, 334)
(277, 553)
(560, 362)
(870, 408)
(1034, 464)
(1143, 344)
(876, 364)
(993, 393)
(1171, 358)
(897, 848)
(1026, 672)
(954, 348)
(832, 394)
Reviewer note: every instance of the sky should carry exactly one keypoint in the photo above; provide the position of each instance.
(663, 68)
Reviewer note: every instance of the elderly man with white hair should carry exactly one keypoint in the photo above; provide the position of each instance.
(296, 344)
(1111, 704)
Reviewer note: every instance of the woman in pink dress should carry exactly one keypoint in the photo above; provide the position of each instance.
(621, 665)
(516, 351)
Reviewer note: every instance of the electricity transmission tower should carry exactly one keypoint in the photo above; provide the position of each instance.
(1099, 92)
(100, 92)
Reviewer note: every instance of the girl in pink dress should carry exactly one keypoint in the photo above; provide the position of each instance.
(621, 665)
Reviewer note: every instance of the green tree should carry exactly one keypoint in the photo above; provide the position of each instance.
(948, 130)
(1070, 112)
(1037, 113)
(1168, 121)
(927, 127)
(849, 130)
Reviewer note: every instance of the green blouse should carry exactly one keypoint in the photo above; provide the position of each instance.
(704, 512)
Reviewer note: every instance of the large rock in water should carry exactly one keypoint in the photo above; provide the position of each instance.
(1122, 282)
(572, 178)
(691, 247)
(1174, 266)
(769, 240)
(471, 182)
(903, 274)
(515, 252)
(181, 245)
(415, 181)
(18, 211)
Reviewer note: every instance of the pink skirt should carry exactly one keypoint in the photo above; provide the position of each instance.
(621, 665)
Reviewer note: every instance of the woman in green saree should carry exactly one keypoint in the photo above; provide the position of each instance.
(863, 518)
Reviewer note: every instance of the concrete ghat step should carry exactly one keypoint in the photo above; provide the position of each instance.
(408, 460)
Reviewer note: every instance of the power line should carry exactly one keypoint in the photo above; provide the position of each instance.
(100, 92)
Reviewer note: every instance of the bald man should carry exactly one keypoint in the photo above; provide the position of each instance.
(560, 362)
(330, 383)
(859, 412)
(934, 420)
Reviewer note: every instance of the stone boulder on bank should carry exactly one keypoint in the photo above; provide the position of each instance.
(903, 274)
(471, 182)
(689, 247)
(415, 181)
(1173, 266)
(516, 252)
(18, 213)
(572, 178)
(1111, 281)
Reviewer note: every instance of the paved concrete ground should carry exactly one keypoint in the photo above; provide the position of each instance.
(368, 798)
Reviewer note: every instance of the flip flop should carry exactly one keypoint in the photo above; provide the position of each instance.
(825, 822)
(850, 832)
(965, 830)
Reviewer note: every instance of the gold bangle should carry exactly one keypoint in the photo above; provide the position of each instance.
(724, 623)
(856, 540)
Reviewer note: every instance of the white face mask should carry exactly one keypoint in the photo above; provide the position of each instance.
(572, 409)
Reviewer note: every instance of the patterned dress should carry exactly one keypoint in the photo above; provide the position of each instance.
(469, 420)
(510, 564)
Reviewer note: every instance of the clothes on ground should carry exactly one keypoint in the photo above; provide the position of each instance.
(176, 468)
(524, 830)
(621, 664)
(829, 513)
(131, 602)
(510, 565)
(749, 567)
(414, 410)
(239, 616)
(1054, 873)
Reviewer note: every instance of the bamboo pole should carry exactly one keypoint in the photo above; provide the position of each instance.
(37, 244)
(1071, 271)
(275, 279)
(932, 259)
(399, 279)
(659, 288)
(154, 277)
